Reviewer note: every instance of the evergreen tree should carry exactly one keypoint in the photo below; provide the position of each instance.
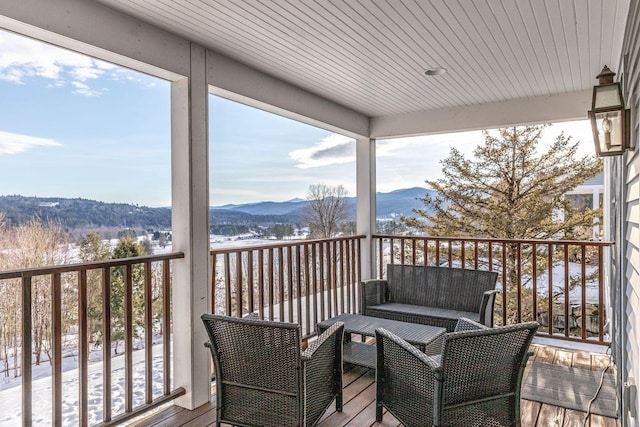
(512, 189)
(93, 248)
(127, 247)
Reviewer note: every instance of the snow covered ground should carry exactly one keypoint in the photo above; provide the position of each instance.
(11, 390)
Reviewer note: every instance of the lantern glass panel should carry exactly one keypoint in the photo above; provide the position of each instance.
(609, 127)
(606, 96)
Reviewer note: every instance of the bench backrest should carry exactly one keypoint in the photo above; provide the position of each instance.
(442, 287)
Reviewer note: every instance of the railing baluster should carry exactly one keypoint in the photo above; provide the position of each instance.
(214, 272)
(314, 272)
(261, 283)
(600, 295)
(550, 275)
(476, 256)
(83, 348)
(250, 282)
(56, 347)
(519, 280)
(27, 389)
(567, 284)
(227, 282)
(166, 326)
(534, 281)
(271, 286)
(505, 290)
(290, 297)
(583, 299)
(307, 287)
(281, 287)
(357, 255)
(321, 278)
(348, 280)
(298, 255)
(106, 344)
(333, 268)
(238, 281)
(148, 334)
(128, 333)
(380, 258)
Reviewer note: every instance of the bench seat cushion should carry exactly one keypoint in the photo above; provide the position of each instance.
(440, 317)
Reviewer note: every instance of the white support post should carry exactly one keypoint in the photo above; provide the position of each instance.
(190, 225)
(366, 202)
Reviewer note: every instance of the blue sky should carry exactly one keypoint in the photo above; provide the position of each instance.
(72, 126)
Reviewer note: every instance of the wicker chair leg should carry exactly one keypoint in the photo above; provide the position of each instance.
(378, 412)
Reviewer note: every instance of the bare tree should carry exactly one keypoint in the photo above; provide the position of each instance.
(326, 210)
(33, 244)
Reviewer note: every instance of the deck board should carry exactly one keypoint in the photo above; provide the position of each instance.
(359, 400)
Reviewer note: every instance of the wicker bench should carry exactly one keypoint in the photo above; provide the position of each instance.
(436, 296)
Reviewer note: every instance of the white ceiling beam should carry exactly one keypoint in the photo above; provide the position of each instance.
(239, 82)
(541, 109)
(91, 28)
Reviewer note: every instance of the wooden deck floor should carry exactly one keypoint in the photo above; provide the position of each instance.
(359, 400)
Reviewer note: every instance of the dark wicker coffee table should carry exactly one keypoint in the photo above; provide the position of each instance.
(358, 353)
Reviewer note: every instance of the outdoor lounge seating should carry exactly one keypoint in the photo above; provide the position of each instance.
(474, 380)
(436, 296)
(264, 379)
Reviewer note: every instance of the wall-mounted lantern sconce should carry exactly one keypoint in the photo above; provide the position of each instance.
(610, 121)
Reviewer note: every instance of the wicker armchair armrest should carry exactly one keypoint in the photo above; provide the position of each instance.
(487, 306)
(322, 366)
(335, 332)
(431, 363)
(373, 292)
(465, 324)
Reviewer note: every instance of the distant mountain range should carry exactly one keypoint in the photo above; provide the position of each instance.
(389, 205)
(84, 213)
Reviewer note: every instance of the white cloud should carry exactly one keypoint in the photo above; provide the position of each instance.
(333, 149)
(85, 90)
(14, 143)
(22, 58)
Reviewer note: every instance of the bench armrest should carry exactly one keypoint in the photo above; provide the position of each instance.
(487, 306)
(373, 292)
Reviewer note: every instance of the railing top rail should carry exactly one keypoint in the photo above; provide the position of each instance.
(66, 268)
(493, 240)
(216, 251)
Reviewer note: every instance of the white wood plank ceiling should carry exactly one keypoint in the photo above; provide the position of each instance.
(370, 55)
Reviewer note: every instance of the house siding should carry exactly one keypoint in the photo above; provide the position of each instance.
(629, 361)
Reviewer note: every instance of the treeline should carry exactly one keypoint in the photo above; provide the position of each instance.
(83, 213)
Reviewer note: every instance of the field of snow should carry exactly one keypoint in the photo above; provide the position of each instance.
(11, 390)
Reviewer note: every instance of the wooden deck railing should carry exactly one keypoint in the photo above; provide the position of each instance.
(302, 281)
(558, 283)
(136, 283)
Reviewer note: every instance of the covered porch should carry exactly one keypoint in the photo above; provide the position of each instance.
(357, 70)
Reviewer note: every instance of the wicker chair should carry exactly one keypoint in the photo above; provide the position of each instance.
(473, 380)
(264, 379)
